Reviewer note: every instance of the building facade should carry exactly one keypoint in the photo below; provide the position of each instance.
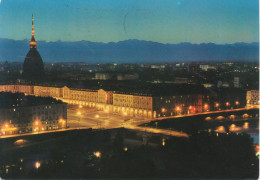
(252, 98)
(129, 103)
(24, 114)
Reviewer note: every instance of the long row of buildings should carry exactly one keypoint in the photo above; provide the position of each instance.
(149, 104)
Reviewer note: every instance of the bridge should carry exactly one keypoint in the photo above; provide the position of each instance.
(231, 114)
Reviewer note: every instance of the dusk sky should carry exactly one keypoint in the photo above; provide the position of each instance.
(166, 21)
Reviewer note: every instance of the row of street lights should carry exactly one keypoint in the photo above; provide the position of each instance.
(206, 107)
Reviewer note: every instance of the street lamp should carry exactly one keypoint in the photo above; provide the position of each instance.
(62, 122)
(97, 116)
(97, 154)
(37, 165)
(163, 142)
(6, 125)
(37, 125)
(206, 106)
(163, 110)
(178, 109)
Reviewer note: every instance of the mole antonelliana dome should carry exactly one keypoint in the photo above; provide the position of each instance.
(33, 68)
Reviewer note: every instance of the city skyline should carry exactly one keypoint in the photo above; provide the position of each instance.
(171, 22)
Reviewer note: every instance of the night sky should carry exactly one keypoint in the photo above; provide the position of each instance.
(165, 21)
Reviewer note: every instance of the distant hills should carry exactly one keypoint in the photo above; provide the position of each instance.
(129, 51)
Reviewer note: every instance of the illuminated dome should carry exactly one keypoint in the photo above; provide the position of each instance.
(33, 68)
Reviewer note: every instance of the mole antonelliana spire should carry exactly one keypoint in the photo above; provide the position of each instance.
(33, 43)
(33, 68)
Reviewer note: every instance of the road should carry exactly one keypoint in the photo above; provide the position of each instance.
(92, 118)
(85, 118)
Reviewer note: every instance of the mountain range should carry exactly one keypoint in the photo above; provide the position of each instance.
(129, 51)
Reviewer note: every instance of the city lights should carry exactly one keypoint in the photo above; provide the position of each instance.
(163, 142)
(36, 123)
(37, 165)
(187, 73)
(97, 154)
(246, 125)
(6, 125)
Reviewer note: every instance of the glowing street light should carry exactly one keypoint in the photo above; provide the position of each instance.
(6, 125)
(206, 106)
(163, 110)
(227, 104)
(237, 103)
(36, 123)
(97, 154)
(217, 105)
(37, 165)
(178, 108)
(125, 149)
(62, 122)
(163, 142)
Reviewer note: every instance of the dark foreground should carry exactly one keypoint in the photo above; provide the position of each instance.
(128, 154)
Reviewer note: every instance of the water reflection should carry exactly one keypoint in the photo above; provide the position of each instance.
(220, 118)
(234, 128)
(220, 129)
(20, 141)
(245, 126)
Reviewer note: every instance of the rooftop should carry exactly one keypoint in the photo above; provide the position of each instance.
(8, 100)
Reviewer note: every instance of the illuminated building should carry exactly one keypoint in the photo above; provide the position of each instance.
(20, 113)
(252, 98)
(133, 105)
(33, 69)
(151, 104)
